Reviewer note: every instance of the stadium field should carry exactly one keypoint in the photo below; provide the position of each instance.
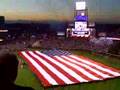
(27, 78)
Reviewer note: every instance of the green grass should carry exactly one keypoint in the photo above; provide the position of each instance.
(27, 78)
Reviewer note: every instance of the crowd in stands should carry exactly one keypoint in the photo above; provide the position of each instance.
(44, 41)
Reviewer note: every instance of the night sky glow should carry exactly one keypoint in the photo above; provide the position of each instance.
(99, 10)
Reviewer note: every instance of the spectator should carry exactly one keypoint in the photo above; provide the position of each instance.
(8, 72)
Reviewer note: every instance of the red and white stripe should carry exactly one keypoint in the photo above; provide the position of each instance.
(64, 70)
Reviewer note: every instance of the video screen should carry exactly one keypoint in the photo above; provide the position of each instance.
(80, 30)
(80, 26)
(81, 5)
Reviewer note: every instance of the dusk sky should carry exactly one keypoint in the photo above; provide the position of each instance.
(99, 10)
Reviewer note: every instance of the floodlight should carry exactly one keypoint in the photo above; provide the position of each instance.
(82, 14)
(1, 40)
(3, 30)
(81, 5)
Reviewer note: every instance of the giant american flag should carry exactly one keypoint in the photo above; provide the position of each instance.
(58, 67)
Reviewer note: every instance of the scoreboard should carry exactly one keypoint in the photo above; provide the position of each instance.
(80, 30)
(80, 26)
(80, 5)
(80, 20)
